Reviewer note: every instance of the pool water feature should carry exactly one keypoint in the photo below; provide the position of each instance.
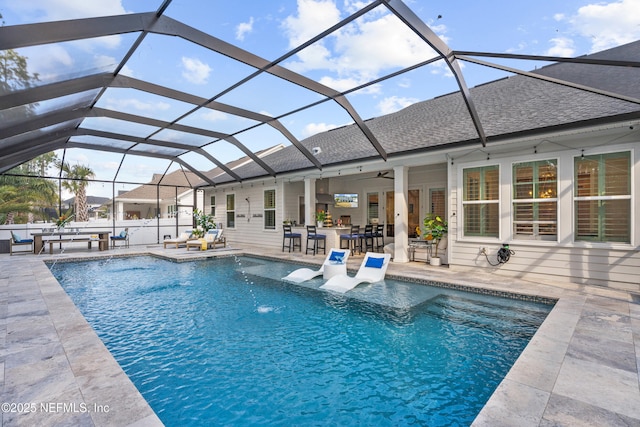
(226, 342)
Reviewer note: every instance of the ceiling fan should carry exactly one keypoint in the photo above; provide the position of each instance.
(384, 175)
(381, 174)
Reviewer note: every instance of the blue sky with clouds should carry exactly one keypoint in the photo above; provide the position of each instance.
(375, 45)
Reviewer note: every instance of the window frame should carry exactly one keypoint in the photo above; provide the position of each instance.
(172, 210)
(483, 203)
(212, 210)
(269, 213)
(232, 212)
(536, 202)
(601, 198)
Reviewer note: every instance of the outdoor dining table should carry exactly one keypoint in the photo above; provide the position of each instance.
(39, 238)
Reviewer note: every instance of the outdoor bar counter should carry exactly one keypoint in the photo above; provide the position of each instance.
(333, 234)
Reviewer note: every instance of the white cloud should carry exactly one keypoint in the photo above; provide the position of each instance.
(213, 115)
(244, 28)
(313, 18)
(561, 46)
(608, 24)
(347, 83)
(314, 128)
(356, 53)
(195, 71)
(394, 103)
(123, 104)
(56, 10)
(105, 62)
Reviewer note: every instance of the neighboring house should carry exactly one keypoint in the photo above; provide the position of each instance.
(170, 195)
(94, 204)
(166, 196)
(558, 180)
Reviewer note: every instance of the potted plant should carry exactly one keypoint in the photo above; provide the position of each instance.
(320, 217)
(435, 228)
(63, 219)
(203, 222)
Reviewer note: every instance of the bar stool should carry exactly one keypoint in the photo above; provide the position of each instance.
(366, 238)
(313, 236)
(352, 239)
(293, 237)
(378, 234)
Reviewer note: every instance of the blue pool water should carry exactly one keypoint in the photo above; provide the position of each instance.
(226, 342)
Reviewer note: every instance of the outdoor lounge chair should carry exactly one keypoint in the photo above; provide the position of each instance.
(303, 274)
(180, 240)
(211, 238)
(373, 269)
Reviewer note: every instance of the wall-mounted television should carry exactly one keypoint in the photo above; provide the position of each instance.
(345, 200)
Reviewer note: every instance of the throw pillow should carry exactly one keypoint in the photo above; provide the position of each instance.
(374, 262)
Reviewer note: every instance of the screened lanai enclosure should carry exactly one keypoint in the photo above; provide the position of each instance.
(138, 106)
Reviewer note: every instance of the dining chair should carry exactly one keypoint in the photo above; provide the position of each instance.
(352, 239)
(292, 237)
(315, 238)
(378, 234)
(366, 238)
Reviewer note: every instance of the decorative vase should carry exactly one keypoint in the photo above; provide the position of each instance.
(319, 224)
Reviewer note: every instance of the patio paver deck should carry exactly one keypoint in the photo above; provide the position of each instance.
(580, 368)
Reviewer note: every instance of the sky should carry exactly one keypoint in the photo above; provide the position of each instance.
(371, 47)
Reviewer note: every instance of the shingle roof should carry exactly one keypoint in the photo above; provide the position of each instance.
(507, 107)
(167, 189)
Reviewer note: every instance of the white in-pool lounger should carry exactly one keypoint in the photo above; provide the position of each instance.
(303, 274)
(373, 269)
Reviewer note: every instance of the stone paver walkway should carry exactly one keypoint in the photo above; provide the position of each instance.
(581, 367)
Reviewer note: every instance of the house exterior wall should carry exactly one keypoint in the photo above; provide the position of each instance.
(249, 227)
(250, 230)
(605, 264)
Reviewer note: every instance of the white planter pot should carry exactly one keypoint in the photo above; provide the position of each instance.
(319, 224)
(434, 261)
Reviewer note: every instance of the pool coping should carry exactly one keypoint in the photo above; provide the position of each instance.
(581, 366)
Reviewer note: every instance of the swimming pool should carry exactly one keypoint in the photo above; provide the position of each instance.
(218, 342)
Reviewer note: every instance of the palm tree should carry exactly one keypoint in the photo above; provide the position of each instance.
(20, 195)
(76, 178)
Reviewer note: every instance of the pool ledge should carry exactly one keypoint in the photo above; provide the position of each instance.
(580, 368)
(56, 371)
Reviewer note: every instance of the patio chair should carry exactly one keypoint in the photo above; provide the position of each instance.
(293, 237)
(303, 274)
(367, 238)
(16, 240)
(378, 235)
(372, 270)
(352, 239)
(217, 238)
(180, 240)
(314, 238)
(208, 241)
(122, 237)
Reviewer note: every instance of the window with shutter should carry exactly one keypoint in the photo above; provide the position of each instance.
(480, 201)
(602, 197)
(231, 210)
(270, 209)
(535, 202)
